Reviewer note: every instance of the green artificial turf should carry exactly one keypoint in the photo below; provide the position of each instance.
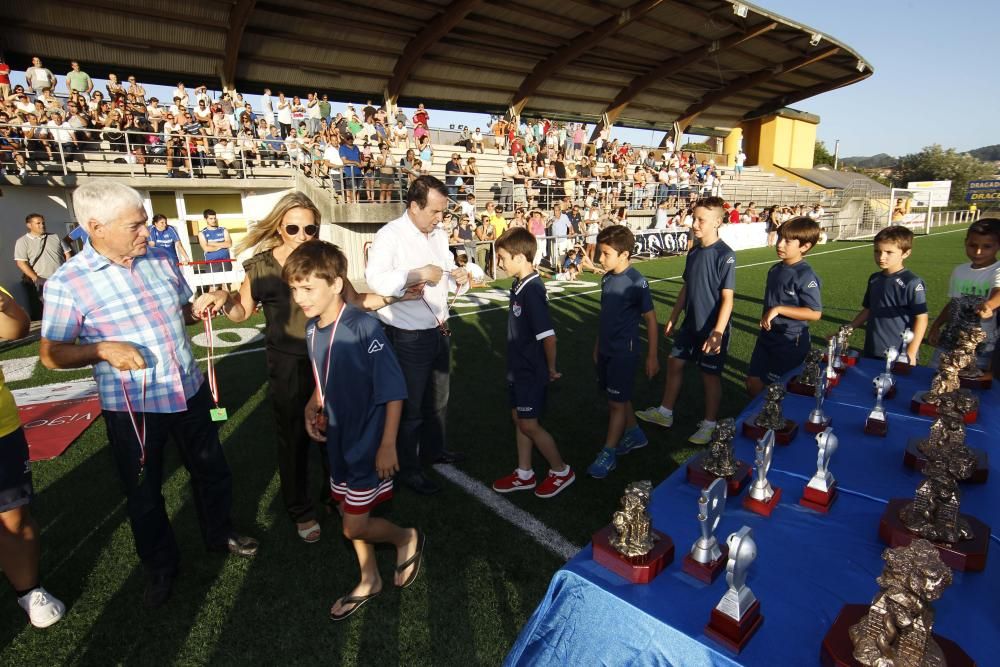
(482, 577)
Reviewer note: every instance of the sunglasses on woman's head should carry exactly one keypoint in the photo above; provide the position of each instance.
(310, 230)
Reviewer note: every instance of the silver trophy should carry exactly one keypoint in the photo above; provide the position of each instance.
(882, 383)
(831, 354)
(904, 341)
(710, 505)
(891, 355)
(843, 336)
(760, 488)
(816, 415)
(823, 480)
(742, 552)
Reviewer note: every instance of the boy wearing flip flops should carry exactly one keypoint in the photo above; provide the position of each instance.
(356, 409)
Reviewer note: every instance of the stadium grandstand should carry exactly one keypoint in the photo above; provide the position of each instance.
(260, 97)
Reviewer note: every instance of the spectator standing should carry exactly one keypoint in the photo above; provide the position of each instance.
(507, 175)
(410, 250)
(741, 158)
(284, 115)
(38, 254)
(267, 107)
(215, 242)
(39, 79)
(313, 113)
(4, 80)
(453, 175)
(165, 237)
(122, 308)
(78, 81)
(351, 155)
(325, 109)
(561, 231)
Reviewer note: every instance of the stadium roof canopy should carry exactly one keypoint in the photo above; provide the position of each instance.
(643, 63)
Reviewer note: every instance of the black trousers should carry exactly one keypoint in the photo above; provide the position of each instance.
(290, 385)
(425, 357)
(197, 439)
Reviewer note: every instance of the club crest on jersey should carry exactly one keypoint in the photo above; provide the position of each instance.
(376, 346)
(899, 281)
(516, 309)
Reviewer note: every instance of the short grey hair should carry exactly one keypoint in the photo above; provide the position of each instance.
(103, 201)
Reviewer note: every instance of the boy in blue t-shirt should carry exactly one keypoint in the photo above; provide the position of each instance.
(355, 409)
(625, 299)
(531, 365)
(895, 299)
(791, 301)
(707, 301)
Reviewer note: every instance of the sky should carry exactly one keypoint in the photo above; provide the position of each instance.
(934, 81)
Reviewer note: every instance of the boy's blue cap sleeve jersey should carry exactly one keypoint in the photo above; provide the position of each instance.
(625, 298)
(797, 286)
(528, 324)
(893, 302)
(707, 272)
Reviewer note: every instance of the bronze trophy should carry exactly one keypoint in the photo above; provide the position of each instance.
(629, 546)
(948, 430)
(934, 514)
(947, 379)
(720, 461)
(804, 384)
(896, 629)
(964, 331)
(771, 418)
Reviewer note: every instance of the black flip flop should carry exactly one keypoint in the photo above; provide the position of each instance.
(415, 560)
(357, 601)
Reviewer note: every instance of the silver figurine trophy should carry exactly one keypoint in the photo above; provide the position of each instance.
(817, 418)
(891, 355)
(742, 552)
(826, 443)
(760, 488)
(831, 355)
(882, 384)
(710, 505)
(904, 341)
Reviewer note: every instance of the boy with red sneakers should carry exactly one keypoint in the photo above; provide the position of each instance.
(531, 365)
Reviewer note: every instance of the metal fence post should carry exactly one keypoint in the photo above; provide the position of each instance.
(128, 156)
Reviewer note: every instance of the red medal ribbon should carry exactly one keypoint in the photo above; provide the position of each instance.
(140, 433)
(213, 382)
(321, 385)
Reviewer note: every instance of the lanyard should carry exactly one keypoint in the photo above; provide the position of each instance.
(140, 433)
(213, 382)
(321, 385)
(441, 325)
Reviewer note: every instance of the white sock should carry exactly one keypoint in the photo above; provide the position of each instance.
(524, 475)
(666, 412)
(563, 473)
(707, 424)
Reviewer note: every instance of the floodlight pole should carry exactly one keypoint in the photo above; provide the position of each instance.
(836, 154)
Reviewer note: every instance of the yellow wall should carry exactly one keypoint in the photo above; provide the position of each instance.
(777, 140)
(731, 145)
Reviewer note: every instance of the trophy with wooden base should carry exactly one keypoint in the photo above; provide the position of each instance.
(947, 381)
(737, 616)
(890, 358)
(818, 421)
(948, 430)
(895, 629)
(629, 546)
(877, 422)
(804, 384)
(771, 418)
(720, 461)
(821, 490)
(762, 498)
(707, 559)
(902, 365)
(832, 376)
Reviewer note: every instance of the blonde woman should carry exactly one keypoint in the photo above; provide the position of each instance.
(293, 221)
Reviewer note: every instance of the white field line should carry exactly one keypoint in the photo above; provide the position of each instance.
(677, 277)
(509, 512)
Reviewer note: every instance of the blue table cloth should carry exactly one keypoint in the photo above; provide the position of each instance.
(808, 566)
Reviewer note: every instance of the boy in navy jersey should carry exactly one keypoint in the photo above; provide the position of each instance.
(791, 301)
(531, 365)
(625, 299)
(895, 299)
(707, 301)
(356, 409)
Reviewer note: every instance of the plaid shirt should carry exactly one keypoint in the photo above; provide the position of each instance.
(90, 300)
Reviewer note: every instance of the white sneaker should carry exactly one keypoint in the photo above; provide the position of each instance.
(703, 435)
(43, 610)
(654, 416)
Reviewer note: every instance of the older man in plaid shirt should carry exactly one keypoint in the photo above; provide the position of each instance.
(122, 306)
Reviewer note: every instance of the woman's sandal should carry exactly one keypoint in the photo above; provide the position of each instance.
(356, 602)
(414, 561)
(309, 535)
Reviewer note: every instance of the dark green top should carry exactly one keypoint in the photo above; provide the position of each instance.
(286, 323)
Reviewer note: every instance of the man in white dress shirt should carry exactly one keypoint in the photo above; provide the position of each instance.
(410, 250)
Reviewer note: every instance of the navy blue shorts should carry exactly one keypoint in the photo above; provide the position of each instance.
(616, 375)
(772, 359)
(687, 346)
(15, 471)
(527, 399)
